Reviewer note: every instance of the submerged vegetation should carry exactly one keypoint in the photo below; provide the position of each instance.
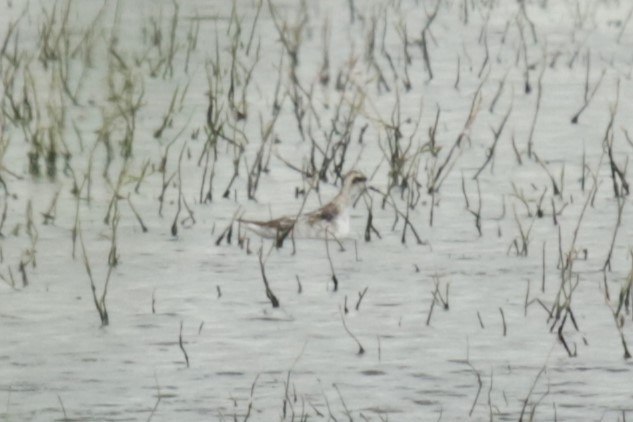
(495, 124)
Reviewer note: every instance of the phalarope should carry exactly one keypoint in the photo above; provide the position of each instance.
(331, 220)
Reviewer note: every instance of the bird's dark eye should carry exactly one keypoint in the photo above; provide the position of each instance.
(358, 179)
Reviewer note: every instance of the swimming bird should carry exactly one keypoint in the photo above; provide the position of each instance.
(331, 220)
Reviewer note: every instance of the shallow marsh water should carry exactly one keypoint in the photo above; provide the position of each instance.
(247, 359)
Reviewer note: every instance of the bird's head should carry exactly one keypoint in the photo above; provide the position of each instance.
(354, 185)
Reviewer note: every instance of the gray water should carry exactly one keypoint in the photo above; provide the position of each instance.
(485, 356)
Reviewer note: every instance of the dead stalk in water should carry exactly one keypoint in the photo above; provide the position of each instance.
(619, 323)
(361, 295)
(607, 262)
(539, 94)
(181, 345)
(136, 214)
(423, 40)
(100, 303)
(624, 299)
(561, 307)
(407, 222)
(228, 231)
(479, 386)
(269, 293)
(527, 398)
(437, 177)
(61, 403)
(496, 135)
(555, 188)
(168, 117)
(437, 298)
(369, 226)
(329, 258)
(181, 199)
(618, 176)
(476, 213)
(543, 270)
(361, 350)
(493, 103)
(166, 180)
(588, 95)
(521, 244)
(159, 396)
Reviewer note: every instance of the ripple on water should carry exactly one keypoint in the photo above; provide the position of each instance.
(230, 373)
(372, 372)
